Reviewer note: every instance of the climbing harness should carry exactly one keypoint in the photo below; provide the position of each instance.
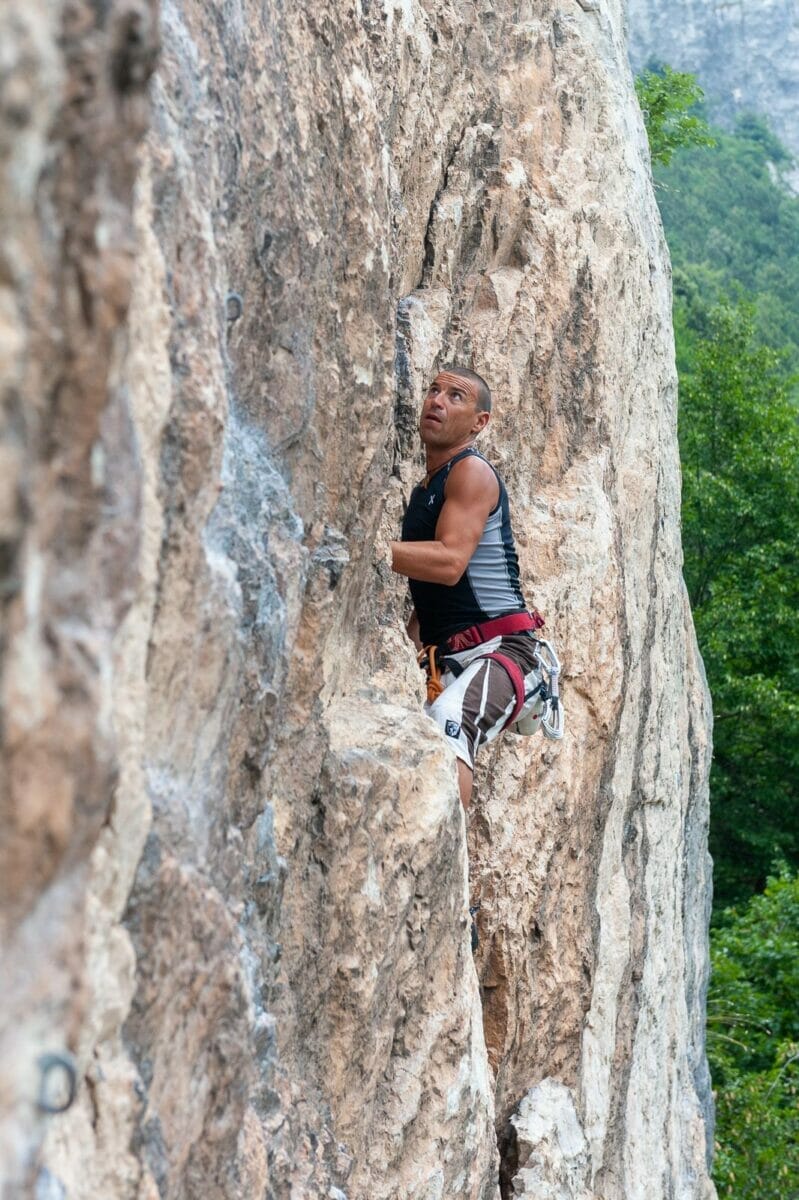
(538, 704)
(498, 627)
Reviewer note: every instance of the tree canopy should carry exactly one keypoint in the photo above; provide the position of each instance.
(733, 230)
(739, 444)
(732, 224)
(753, 1044)
(668, 101)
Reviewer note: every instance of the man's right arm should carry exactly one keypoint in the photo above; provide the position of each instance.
(472, 492)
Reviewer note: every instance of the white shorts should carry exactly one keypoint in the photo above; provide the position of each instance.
(475, 705)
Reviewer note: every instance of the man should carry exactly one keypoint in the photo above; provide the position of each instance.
(458, 553)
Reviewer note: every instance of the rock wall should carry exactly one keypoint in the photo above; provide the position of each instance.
(73, 108)
(746, 55)
(237, 880)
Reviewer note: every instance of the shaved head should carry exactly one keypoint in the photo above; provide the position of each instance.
(483, 391)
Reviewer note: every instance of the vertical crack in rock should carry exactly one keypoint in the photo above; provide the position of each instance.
(697, 901)
(508, 1147)
(428, 261)
(405, 402)
(635, 855)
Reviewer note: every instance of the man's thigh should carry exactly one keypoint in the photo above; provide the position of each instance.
(474, 707)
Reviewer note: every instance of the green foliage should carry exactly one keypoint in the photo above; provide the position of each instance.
(732, 226)
(667, 98)
(739, 444)
(753, 1044)
(733, 230)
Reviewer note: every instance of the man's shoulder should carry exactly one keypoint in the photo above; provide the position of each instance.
(472, 475)
(473, 467)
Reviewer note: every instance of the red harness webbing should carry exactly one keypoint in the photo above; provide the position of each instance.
(499, 627)
(516, 677)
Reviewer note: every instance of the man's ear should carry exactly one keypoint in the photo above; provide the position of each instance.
(480, 422)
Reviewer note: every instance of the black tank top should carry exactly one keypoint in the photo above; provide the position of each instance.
(489, 587)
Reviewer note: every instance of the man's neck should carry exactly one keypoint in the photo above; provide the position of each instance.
(437, 457)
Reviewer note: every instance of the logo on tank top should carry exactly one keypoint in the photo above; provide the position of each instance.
(431, 502)
(452, 729)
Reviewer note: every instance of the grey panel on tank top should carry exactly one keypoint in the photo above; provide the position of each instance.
(487, 571)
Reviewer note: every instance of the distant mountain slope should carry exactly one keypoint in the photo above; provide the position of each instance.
(746, 55)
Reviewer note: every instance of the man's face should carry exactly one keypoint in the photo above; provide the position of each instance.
(449, 413)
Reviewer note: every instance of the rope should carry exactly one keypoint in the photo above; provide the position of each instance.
(427, 659)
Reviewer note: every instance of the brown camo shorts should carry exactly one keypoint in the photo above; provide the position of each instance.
(474, 706)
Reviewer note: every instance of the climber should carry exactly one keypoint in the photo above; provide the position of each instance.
(458, 553)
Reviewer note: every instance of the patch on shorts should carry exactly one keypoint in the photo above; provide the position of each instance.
(452, 729)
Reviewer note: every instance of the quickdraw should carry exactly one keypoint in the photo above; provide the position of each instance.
(542, 706)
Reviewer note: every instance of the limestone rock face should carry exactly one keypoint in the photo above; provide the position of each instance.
(73, 107)
(254, 882)
(553, 1159)
(746, 54)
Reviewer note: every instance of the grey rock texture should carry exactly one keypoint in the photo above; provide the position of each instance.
(553, 1158)
(243, 908)
(746, 54)
(73, 108)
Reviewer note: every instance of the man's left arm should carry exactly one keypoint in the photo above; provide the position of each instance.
(472, 493)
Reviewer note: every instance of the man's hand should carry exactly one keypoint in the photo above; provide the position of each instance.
(472, 492)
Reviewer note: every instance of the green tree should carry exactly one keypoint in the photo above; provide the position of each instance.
(732, 225)
(753, 1044)
(667, 99)
(739, 445)
(733, 229)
